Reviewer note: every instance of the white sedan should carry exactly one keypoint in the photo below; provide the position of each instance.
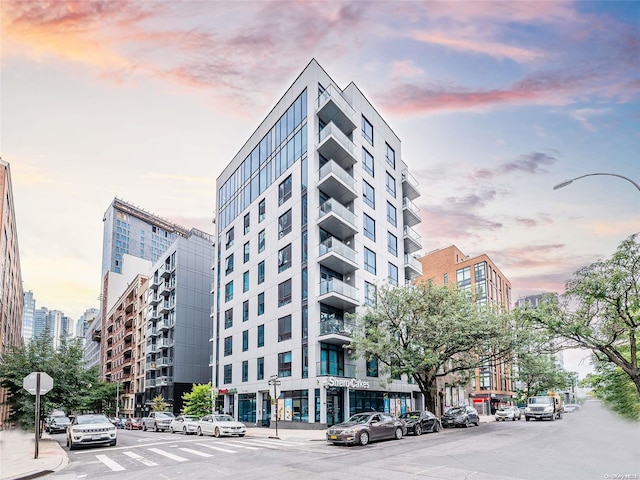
(187, 424)
(218, 425)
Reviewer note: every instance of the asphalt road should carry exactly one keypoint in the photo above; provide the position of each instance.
(589, 444)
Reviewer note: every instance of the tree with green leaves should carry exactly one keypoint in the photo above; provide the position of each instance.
(158, 404)
(599, 311)
(71, 381)
(539, 373)
(426, 331)
(199, 401)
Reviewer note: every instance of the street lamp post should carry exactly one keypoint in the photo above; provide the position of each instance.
(567, 182)
(110, 378)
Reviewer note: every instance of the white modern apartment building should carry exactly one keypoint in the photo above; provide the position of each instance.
(313, 213)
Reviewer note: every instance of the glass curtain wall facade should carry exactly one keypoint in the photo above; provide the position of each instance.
(291, 262)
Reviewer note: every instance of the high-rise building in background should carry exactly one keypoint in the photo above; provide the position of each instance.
(492, 384)
(11, 292)
(313, 213)
(178, 328)
(28, 314)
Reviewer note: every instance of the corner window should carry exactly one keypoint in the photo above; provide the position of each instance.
(367, 130)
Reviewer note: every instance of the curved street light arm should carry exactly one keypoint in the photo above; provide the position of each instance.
(567, 182)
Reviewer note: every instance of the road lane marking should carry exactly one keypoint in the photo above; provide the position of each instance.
(196, 452)
(206, 445)
(262, 444)
(140, 459)
(237, 445)
(168, 455)
(116, 467)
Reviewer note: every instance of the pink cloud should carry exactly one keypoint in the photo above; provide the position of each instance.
(532, 163)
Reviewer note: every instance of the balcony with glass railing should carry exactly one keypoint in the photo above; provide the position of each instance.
(149, 383)
(333, 107)
(166, 306)
(412, 240)
(163, 362)
(338, 294)
(336, 182)
(164, 324)
(336, 331)
(410, 212)
(336, 219)
(334, 144)
(409, 185)
(412, 267)
(337, 256)
(152, 332)
(163, 381)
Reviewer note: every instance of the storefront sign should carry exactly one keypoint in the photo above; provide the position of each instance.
(347, 382)
(222, 391)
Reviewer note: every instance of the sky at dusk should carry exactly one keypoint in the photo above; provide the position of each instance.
(494, 102)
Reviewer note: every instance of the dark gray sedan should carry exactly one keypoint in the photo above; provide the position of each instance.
(363, 428)
(460, 417)
(420, 422)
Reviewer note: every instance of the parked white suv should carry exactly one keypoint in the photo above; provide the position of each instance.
(157, 421)
(93, 429)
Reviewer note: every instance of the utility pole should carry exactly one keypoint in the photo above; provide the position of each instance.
(273, 380)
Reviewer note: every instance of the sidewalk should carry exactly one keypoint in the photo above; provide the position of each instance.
(287, 433)
(17, 449)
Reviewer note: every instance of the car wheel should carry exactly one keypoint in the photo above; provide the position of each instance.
(216, 432)
(155, 427)
(172, 430)
(526, 419)
(199, 432)
(71, 445)
(466, 423)
(241, 434)
(398, 434)
(436, 427)
(113, 444)
(553, 417)
(364, 438)
(417, 430)
(144, 427)
(477, 423)
(184, 430)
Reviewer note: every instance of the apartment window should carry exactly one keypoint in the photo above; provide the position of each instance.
(305, 321)
(284, 364)
(304, 240)
(228, 291)
(262, 210)
(284, 328)
(229, 265)
(369, 227)
(284, 224)
(227, 373)
(284, 190)
(390, 156)
(228, 346)
(261, 236)
(247, 223)
(445, 279)
(305, 283)
(229, 238)
(228, 318)
(393, 274)
(392, 244)
(245, 340)
(284, 293)
(284, 258)
(260, 336)
(463, 278)
(369, 294)
(247, 250)
(372, 368)
(245, 311)
(367, 162)
(368, 194)
(245, 371)
(245, 282)
(392, 215)
(305, 361)
(260, 368)
(367, 130)
(261, 303)
(369, 261)
(261, 272)
(391, 185)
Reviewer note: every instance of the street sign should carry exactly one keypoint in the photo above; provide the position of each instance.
(30, 383)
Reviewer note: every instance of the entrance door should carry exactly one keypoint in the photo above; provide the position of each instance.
(335, 402)
(266, 410)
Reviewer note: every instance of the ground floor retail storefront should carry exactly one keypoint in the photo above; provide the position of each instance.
(488, 403)
(332, 401)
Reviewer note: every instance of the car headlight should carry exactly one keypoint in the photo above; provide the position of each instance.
(527, 409)
(351, 431)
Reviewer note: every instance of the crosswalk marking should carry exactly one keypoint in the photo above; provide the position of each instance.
(140, 459)
(216, 448)
(196, 452)
(272, 442)
(168, 455)
(237, 445)
(262, 444)
(116, 467)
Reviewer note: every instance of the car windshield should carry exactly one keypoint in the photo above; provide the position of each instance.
(62, 420)
(357, 419)
(541, 400)
(224, 418)
(188, 418)
(88, 419)
(456, 411)
(410, 415)
(505, 409)
(167, 414)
